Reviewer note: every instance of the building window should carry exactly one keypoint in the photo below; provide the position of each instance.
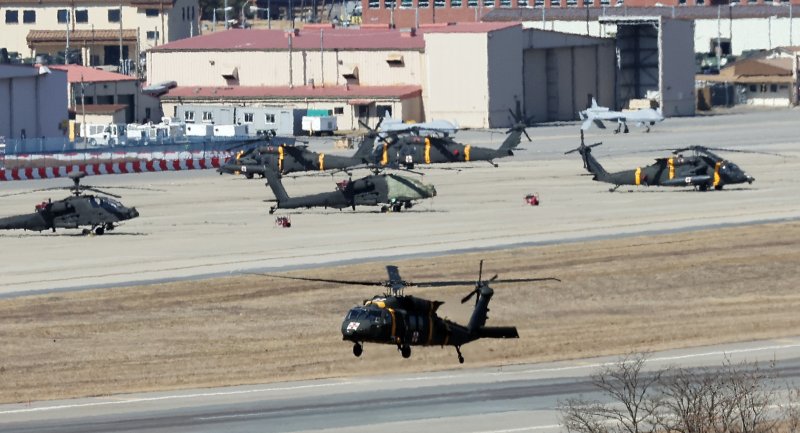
(505, 3)
(540, 3)
(29, 17)
(472, 3)
(12, 17)
(383, 111)
(152, 35)
(556, 3)
(208, 116)
(113, 15)
(248, 117)
(604, 2)
(439, 3)
(62, 15)
(423, 3)
(188, 116)
(406, 4)
(338, 110)
(390, 4)
(773, 88)
(699, 2)
(374, 4)
(82, 16)
(455, 3)
(572, 2)
(151, 12)
(269, 118)
(522, 3)
(753, 88)
(488, 3)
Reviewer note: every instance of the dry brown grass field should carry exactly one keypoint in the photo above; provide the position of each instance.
(616, 296)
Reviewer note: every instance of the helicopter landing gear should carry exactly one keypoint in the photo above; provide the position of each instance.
(83, 232)
(358, 349)
(384, 209)
(405, 350)
(397, 207)
(407, 205)
(614, 188)
(718, 188)
(99, 230)
(109, 227)
(703, 187)
(460, 357)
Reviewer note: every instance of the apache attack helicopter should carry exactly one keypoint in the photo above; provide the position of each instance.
(405, 145)
(393, 191)
(285, 159)
(100, 213)
(406, 321)
(702, 170)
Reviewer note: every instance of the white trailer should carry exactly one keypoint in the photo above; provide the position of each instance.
(318, 125)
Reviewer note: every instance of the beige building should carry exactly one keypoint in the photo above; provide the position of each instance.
(98, 28)
(470, 72)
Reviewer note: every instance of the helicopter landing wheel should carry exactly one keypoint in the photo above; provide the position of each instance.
(85, 232)
(384, 209)
(405, 351)
(460, 357)
(99, 230)
(249, 175)
(718, 188)
(109, 227)
(358, 349)
(397, 208)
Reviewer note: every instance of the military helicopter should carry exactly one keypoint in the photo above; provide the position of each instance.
(100, 213)
(405, 321)
(405, 145)
(702, 170)
(392, 191)
(286, 159)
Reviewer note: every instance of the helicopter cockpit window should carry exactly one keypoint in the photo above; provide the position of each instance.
(93, 201)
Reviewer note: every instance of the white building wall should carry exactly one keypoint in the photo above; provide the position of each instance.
(272, 68)
(457, 84)
(37, 104)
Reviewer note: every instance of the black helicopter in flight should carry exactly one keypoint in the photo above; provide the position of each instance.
(703, 169)
(288, 158)
(405, 145)
(99, 213)
(392, 191)
(405, 321)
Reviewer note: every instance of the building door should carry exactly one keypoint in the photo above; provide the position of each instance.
(111, 54)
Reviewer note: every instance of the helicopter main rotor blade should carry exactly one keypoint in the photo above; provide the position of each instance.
(472, 282)
(330, 280)
(89, 188)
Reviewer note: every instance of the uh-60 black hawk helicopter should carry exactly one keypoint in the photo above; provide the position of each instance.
(405, 145)
(405, 320)
(99, 213)
(703, 169)
(286, 158)
(392, 191)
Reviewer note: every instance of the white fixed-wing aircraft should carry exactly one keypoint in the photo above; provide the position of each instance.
(596, 114)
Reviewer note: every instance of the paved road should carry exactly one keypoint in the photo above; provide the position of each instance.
(521, 398)
(205, 224)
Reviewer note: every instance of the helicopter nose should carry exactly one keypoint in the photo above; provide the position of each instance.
(133, 213)
(432, 191)
(750, 179)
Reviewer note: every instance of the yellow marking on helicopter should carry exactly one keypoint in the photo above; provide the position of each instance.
(394, 322)
(638, 179)
(427, 150)
(671, 164)
(385, 158)
(280, 158)
(321, 162)
(467, 148)
(717, 178)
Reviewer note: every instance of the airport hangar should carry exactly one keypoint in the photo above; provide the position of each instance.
(468, 72)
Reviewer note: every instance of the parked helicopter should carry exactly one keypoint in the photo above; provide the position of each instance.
(286, 159)
(702, 170)
(392, 191)
(645, 117)
(405, 145)
(100, 213)
(405, 321)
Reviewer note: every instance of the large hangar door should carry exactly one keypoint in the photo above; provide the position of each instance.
(637, 60)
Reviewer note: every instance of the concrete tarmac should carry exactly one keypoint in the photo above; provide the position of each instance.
(204, 224)
(519, 398)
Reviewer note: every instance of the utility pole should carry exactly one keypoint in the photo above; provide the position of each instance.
(121, 57)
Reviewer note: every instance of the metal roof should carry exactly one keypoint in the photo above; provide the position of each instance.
(328, 39)
(78, 73)
(80, 36)
(677, 12)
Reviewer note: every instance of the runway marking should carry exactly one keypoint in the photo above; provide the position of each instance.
(383, 380)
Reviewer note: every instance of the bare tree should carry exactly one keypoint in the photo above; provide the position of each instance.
(633, 408)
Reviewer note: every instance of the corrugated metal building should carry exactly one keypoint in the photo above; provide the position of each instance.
(472, 73)
(33, 102)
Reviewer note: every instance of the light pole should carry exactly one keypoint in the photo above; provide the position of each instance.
(254, 9)
(214, 23)
(789, 4)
